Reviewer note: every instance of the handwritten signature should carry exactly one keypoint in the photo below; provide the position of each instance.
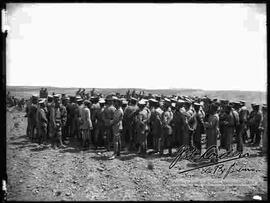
(188, 153)
(221, 169)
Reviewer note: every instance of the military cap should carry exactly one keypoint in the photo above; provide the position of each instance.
(174, 100)
(256, 105)
(167, 99)
(86, 102)
(142, 102)
(133, 99)
(109, 98)
(158, 97)
(264, 107)
(94, 98)
(115, 98)
(197, 104)
(57, 96)
(124, 102)
(65, 97)
(153, 100)
(50, 96)
(79, 100)
(102, 100)
(35, 96)
(42, 101)
(242, 101)
(173, 104)
(180, 101)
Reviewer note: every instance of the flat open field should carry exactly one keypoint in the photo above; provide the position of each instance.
(42, 173)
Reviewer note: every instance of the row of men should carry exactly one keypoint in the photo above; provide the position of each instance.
(156, 123)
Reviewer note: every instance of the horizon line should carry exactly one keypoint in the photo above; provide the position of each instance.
(132, 88)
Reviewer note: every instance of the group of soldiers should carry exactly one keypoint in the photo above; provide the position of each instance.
(143, 122)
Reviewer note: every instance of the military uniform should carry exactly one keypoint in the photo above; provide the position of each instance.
(166, 135)
(156, 126)
(142, 128)
(212, 130)
(129, 125)
(108, 115)
(43, 123)
(117, 128)
(243, 118)
(58, 119)
(255, 122)
(86, 125)
(33, 120)
(198, 125)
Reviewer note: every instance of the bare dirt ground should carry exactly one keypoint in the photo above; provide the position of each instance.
(42, 173)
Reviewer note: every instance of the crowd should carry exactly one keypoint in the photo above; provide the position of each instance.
(138, 122)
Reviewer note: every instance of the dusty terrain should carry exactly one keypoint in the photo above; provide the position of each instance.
(42, 173)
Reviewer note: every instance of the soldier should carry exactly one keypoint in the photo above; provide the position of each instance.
(222, 118)
(72, 107)
(264, 129)
(211, 128)
(188, 123)
(117, 127)
(250, 126)
(238, 138)
(166, 135)
(108, 116)
(255, 122)
(198, 127)
(142, 126)
(95, 108)
(177, 123)
(32, 117)
(86, 124)
(58, 116)
(230, 124)
(128, 123)
(243, 118)
(42, 120)
(27, 110)
(65, 129)
(99, 130)
(49, 105)
(78, 115)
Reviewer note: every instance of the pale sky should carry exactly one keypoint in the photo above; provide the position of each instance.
(204, 46)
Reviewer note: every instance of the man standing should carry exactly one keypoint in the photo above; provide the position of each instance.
(129, 124)
(117, 127)
(43, 122)
(166, 135)
(198, 127)
(255, 122)
(33, 117)
(243, 118)
(99, 130)
(264, 129)
(142, 127)
(108, 116)
(212, 129)
(230, 123)
(58, 119)
(156, 124)
(95, 108)
(86, 124)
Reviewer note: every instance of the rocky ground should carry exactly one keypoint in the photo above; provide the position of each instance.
(42, 173)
